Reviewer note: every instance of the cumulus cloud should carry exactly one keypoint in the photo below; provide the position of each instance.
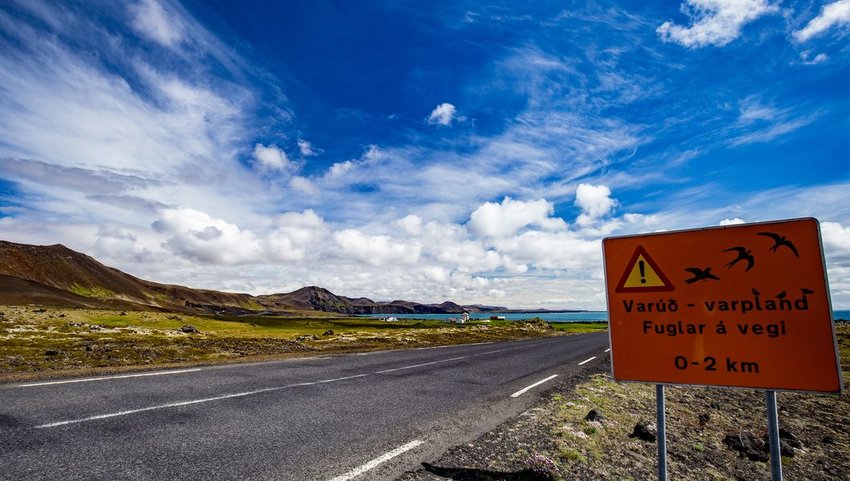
(376, 249)
(296, 233)
(733, 221)
(594, 201)
(836, 14)
(272, 157)
(443, 114)
(410, 224)
(195, 235)
(836, 237)
(509, 216)
(361, 169)
(151, 20)
(714, 22)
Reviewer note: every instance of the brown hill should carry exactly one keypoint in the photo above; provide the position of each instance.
(57, 275)
(56, 269)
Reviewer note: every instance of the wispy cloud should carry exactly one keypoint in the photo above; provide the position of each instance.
(153, 21)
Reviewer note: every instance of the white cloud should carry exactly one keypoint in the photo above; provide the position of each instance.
(808, 59)
(733, 221)
(155, 23)
(832, 15)
(304, 185)
(508, 217)
(411, 224)
(836, 237)
(272, 158)
(553, 251)
(752, 110)
(296, 236)
(376, 250)
(306, 148)
(371, 157)
(595, 202)
(763, 123)
(339, 169)
(714, 22)
(195, 235)
(443, 114)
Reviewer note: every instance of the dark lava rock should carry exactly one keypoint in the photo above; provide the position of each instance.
(645, 431)
(190, 329)
(594, 415)
(787, 443)
(329, 332)
(307, 337)
(747, 445)
(51, 352)
(704, 418)
(828, 440)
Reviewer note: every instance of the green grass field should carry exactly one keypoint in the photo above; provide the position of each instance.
(38, 342)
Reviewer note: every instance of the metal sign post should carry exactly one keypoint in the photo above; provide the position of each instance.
(661, 421)
(773, 437)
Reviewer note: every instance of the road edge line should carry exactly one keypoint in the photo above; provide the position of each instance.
(378, 461)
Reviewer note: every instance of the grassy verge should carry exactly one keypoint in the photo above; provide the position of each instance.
(39, 342)
(700, 424)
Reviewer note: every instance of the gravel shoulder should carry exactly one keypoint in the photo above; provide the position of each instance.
(712, 434)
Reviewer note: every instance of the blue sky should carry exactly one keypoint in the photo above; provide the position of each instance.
(473, 151)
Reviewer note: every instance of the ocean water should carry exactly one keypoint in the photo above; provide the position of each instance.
(511, 316)
(546, 316)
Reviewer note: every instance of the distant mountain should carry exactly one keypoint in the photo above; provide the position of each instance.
(57, 275)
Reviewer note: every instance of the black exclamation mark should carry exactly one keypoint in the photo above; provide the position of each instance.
(642, 272)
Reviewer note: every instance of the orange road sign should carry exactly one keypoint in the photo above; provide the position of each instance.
(741, 306)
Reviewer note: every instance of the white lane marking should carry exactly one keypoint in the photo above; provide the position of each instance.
(187, 403)
(379, 460)
(448, 360)
(423, 364)
(608, 350)
(586, 361)
(527, 388)
(108, 378)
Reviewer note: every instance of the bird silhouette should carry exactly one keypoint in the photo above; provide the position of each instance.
(743, 254)
(700, 274)
(779, 241)
(781, 295)
(756, 292)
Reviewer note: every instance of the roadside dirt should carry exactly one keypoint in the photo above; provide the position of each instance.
(712, 434)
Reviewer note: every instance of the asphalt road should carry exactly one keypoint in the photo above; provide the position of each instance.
(368, 416)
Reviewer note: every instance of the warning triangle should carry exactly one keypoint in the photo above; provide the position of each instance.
(643, 275)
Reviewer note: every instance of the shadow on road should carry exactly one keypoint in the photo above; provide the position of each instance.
(469, 474)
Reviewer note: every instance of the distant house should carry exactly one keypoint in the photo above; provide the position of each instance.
(391, 319)
(497, 318)
(464, 317)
